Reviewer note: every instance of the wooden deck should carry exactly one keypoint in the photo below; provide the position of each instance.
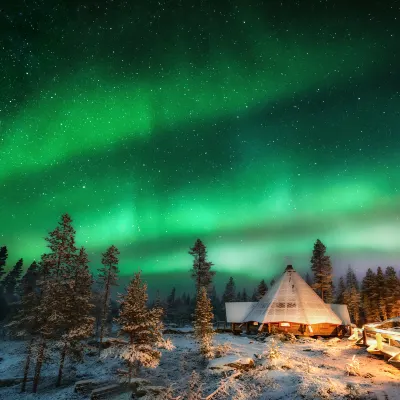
(381, 342)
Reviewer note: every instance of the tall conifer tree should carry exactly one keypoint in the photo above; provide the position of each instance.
(262, 289)
(108, 275)
(143, 327)
(203, 323)
(201, 271)
(392, 284)
(322, 269)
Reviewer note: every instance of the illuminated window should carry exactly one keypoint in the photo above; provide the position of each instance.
(284, 324)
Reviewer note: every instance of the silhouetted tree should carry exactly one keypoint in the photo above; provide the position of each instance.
(322, 269)
(108, 275)
(201, 271)
(262, 289)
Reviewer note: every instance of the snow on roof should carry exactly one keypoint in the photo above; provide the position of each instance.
(236, 311)
(291, 299)
(342, 312)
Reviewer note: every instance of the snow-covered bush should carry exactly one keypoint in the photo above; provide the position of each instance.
(353, 367)
(222, 349)
(313, 387)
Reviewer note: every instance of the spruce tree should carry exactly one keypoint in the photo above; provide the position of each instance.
(322, 269)
(369, 297)
(11, 280)
(381, 293)
(272, 283)
(392, 284)
(244, 295)
(143, 327)
(262, 289)
(25, 322)
(352, 298)
(203, 323)
(3, 259)
(230, 291)
(351, 279)
(107, 278)
(201, 271)
(78, 310)
(54, 291)
(340, 291)
(308, 279)
(254, 296)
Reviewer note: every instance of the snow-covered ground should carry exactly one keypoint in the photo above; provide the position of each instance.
(304, 369)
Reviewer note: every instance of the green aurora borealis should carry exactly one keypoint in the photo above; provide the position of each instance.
(257, 128)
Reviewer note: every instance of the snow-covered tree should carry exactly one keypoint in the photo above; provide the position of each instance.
(107, 278)
(54, 291)
(143, 326)
(322, 269)
(203, 323)
(194, 391)
(352, 298)
(340, 291)
(78, 308)
(381, 292)
(11, 280)
(229, 294)
(201, 271)
(351, 279)
(262, 289)
(392, 284)
(369, 297)
(25, 323)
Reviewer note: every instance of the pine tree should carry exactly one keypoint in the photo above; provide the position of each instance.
(244, 295)
(143, 326)
(3, 259)
(351, 279)
(54, 275)
(381, 293)
(203, 323)
(352, 298)
(369, 298)
(78, 310)
(272, 283)
(254, 296)
(194, 391)
(11, 280)
(107, 278)
(322, 269)
(230, 291)
(262, 289)
(340, 291)
(24, 322)
(171, 305)
(392, 284)
(201, 271)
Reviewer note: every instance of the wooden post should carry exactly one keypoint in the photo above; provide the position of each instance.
(364, 337)
(269, 327)
(247, 328)
(378, 337)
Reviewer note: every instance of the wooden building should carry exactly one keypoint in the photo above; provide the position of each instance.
(291, 305)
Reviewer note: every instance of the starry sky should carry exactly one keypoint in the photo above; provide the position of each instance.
(257, 126)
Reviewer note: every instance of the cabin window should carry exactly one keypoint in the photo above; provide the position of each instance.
(284, 324)
(255, 323)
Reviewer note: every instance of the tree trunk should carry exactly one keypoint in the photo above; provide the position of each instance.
(39, 363)
(27, 364)
(60, 369)
(104, 313)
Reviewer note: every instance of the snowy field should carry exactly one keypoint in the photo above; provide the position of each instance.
(304, 369)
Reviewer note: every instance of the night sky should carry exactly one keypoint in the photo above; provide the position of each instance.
(257, 126)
